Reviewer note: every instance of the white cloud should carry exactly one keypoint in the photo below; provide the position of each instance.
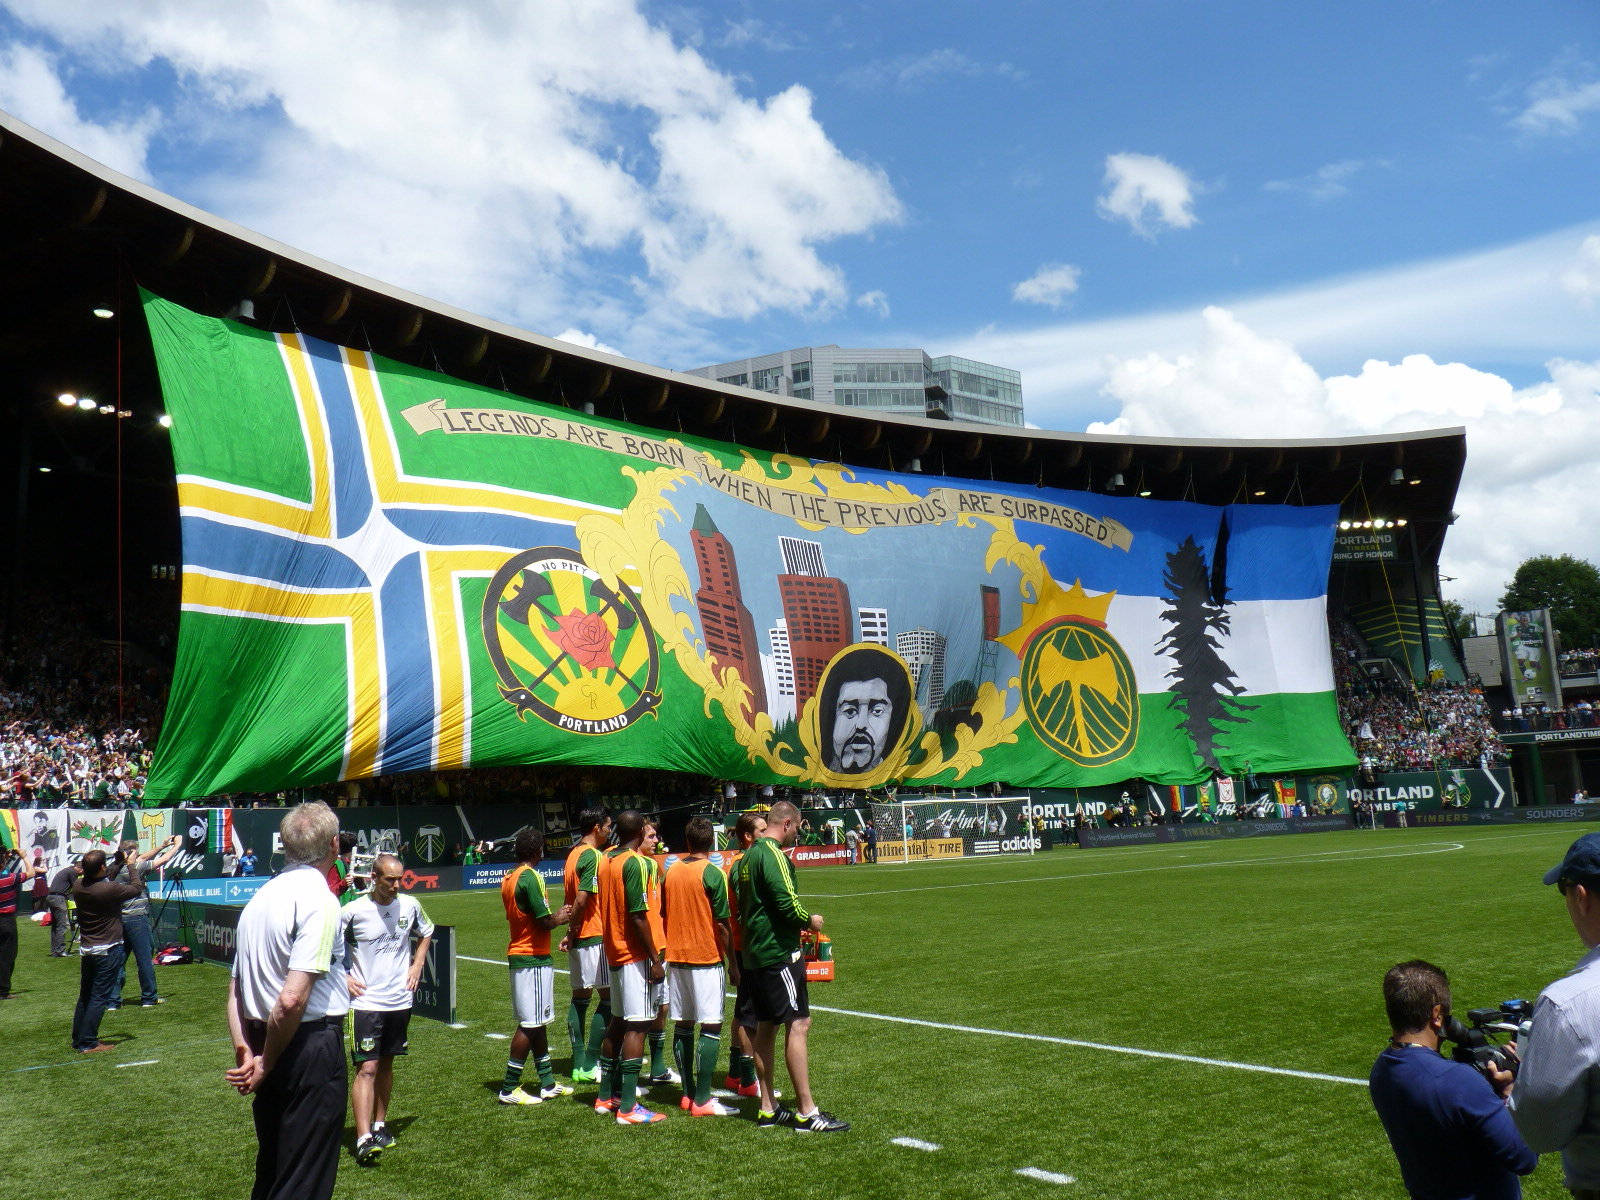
(1050, 285)
(1327, 182)
(1530, 449)
(579, 337)
(1141, 187)
(911, 72)
(31, 90)
(1503, 305)
(1557, 104)
(601, 169)
(874, 302)
(1582, 278)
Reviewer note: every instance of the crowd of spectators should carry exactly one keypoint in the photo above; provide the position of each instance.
(77, 721)
(1395, 725)
(1580, 714)
(1580, 662)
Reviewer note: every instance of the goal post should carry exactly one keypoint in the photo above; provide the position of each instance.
(946, 827)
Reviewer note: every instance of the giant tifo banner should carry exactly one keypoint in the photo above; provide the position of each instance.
(388, 570)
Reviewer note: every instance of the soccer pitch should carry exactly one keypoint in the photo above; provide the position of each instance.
(1192, 1020)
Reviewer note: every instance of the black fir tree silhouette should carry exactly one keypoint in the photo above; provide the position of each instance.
(1205, 689)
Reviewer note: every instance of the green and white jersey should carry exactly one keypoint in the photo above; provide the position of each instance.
(377, 949)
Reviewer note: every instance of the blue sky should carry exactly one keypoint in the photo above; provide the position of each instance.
(1231, 219)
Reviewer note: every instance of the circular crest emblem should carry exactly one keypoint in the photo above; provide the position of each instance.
(566, 647)
(1079, 693)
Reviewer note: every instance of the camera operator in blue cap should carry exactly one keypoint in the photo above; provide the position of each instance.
(1556, 1101)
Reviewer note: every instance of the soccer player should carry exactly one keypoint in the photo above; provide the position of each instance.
(741, 1060)
(694, 903)
(586, 956)
(659, 1071)
(636, 971)
(533, 977)
(381, 975)
(773, 919)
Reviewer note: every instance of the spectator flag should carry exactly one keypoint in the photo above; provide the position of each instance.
(9, 839)
(220, 838)
(388, 570)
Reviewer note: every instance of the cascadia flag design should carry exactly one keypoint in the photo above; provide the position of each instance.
(389, 570)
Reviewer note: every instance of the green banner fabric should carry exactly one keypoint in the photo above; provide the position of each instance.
(389, 570)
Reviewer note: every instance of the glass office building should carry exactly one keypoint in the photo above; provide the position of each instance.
(903, 381)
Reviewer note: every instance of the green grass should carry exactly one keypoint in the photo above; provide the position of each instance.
(1268, 952)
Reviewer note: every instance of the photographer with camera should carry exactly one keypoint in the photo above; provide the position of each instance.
(1556, 1103)
(1449, 1126)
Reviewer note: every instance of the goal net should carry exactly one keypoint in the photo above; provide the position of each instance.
(946, 827)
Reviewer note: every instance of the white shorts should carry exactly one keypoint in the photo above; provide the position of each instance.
(694, 994)
(588, 967)
(533, 995)
(633, 997)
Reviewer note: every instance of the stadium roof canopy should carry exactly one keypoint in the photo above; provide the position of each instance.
(79, 236)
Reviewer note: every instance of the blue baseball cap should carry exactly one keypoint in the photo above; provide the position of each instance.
(1581, 863)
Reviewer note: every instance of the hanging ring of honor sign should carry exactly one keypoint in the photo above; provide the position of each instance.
(569, 648)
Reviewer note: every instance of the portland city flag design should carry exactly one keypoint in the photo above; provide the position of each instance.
(388, 570)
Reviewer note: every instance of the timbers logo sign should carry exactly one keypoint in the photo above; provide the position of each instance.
(566, 647)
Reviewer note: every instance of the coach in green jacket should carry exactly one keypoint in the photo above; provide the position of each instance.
(772, 919)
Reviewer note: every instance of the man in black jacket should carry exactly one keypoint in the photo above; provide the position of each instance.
(99, 899)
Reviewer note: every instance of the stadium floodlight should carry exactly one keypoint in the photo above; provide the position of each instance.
(1344, 524)
(104, 313)
(107, 409)
(86, 404)
(1398, 475)
(164, 420)
(67, 400)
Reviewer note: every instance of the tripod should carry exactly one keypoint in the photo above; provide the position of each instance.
(175, 884)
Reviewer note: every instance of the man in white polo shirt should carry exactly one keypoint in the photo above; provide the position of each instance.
(286, 1004)
(383, 973)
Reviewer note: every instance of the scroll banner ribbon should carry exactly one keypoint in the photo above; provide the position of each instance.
(939, 505)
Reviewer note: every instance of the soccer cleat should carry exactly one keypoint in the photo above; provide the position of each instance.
(592, 1075)
(712, 1108)
(667, 1076)
(685, 1103)
(820, 1122)
(152, 1003)
(554, 1090)
(518, 1096)
(640, 1115)
(732, 1083)
(367, 1150)
(383, 1136)
(608, 1105)
(776, 1119)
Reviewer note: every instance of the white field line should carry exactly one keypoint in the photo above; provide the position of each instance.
(143, 1062)
(1045, 1176)
(1364, 852)
(915, 1144)
(1076, 1043)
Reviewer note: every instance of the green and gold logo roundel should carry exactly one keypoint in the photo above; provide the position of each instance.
(1078, 691)
(573, 651)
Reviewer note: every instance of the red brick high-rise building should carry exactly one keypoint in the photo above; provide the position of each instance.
(817, 612)
(729, 631)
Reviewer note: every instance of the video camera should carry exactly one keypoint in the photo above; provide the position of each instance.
(1480, 1042)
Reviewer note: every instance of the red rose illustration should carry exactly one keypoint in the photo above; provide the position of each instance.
(586, 637)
